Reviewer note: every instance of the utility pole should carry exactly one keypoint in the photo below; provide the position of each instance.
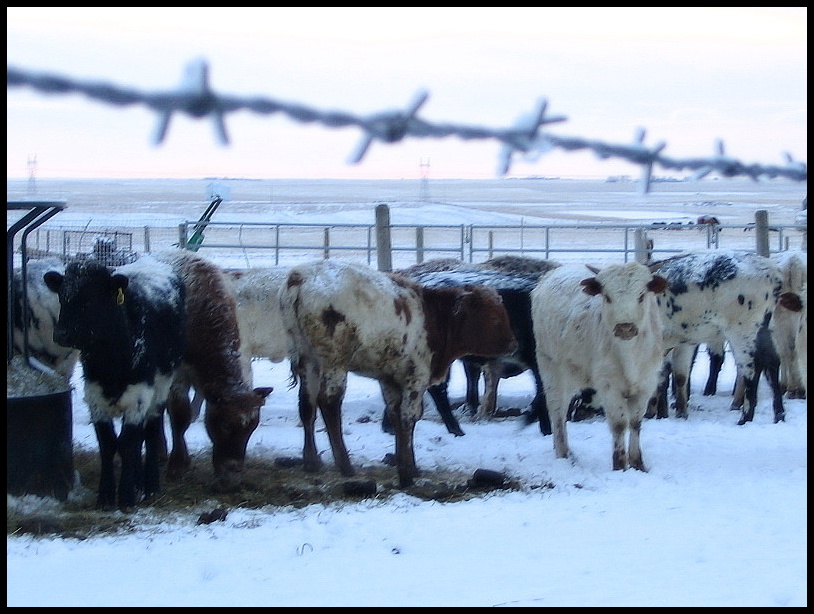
(424, 192)
(32, 174)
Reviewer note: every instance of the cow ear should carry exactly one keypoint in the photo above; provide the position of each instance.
(791, 301)
(658, 284)
(53, 280)
(591, 286)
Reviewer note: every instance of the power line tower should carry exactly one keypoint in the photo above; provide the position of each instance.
(424, 192)
(32, 174)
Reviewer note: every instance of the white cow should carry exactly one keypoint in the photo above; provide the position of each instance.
(262, 332)
(600, 334)
(802, 336)
(786, 324)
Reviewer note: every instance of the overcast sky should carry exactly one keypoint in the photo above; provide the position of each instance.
(689, 76)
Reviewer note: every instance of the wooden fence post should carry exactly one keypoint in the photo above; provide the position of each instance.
(419, 244)
(182, 236)
(643, 247)
(762, 232)
(383, 245)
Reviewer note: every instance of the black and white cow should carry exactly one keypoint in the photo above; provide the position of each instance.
(42, 314)
(128, 325)
(715, 294)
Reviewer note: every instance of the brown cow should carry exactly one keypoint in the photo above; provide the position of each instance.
(215, 365)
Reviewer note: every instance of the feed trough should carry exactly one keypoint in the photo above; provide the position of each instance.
(39, 415)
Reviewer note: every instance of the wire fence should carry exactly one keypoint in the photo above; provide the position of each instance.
(196, 98)
(254, 244)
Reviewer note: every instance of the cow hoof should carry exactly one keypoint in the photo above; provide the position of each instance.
(780, 418)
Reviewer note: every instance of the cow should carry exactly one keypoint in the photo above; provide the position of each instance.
(787, 319)
(42, 314)
(515, 291)
(262, 335)
(714, 294)
(346, 317)
(785, 323)
(801, 339)
(217, 363)
(128, 325)
(514, 277)
(604, 335)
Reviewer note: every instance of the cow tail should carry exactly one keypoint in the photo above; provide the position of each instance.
(289, 308)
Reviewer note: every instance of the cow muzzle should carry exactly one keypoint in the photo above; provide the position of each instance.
(625, 331)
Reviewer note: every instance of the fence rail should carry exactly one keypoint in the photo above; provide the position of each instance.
(247, 244)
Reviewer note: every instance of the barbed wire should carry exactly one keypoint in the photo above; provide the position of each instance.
(196, 98)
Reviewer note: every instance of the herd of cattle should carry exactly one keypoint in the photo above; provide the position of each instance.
(151, 332)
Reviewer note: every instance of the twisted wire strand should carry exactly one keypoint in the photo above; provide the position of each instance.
(197, 99)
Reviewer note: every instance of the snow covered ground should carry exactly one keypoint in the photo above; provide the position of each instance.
(720, 519)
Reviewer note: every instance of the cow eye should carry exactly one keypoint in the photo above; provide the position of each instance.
(607, 298)
(641, 297)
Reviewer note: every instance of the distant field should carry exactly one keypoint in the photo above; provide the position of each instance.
(92, 205)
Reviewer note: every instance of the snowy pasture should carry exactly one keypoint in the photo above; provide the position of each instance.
(719, 519)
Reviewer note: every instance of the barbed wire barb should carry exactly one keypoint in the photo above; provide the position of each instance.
(197, 99)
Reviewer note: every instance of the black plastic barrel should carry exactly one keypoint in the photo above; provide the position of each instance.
(40, 445)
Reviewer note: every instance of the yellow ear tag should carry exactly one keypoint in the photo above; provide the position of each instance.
(120, 297)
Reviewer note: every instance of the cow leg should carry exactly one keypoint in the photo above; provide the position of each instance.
(440, 397)
(715, 351)
(657, 405)
(130, 443)
(405, 410)
(491, 379)
(767, 361)
(750, 385)
(683, 355)
(634, 450)
(539, 406)
(307, 406)
(180, 413)
(106, 437)
(557, 401)
(617, 429)
(153, 438)
(472, 371)
(331, 395)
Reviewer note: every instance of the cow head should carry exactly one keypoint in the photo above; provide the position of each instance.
(624, 290)
(229, 424)
(481, 323)
(90, 298)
